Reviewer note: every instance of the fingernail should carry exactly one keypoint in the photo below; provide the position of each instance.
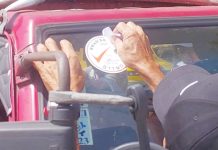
(49, 40)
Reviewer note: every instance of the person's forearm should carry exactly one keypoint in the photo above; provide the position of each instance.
(135, 51)
(153, 77)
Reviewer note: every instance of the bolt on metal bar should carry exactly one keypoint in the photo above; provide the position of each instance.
(75, 98)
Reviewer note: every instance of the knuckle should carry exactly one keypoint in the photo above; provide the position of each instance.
(131, 23)
(140, 29)
(120, 26)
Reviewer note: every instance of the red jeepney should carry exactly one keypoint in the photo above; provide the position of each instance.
(180, 33)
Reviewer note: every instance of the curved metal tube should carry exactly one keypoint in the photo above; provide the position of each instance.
(21, 4)
(58, 56)
(4, 2)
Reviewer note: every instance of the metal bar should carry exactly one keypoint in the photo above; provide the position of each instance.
(4, 2)
(21, 4)
(63, 77)
(75, 98)
(4, 19)
(58, 56)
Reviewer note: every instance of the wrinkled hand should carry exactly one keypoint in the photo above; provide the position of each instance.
(48, 69)
(134, 48)
(135, 51)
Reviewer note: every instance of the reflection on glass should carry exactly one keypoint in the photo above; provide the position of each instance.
(171, 56)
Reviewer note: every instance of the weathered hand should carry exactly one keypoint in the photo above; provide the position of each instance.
(135, 51)
(48, 69)
(134, 48)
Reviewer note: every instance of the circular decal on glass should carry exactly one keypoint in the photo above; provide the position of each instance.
(102, 55)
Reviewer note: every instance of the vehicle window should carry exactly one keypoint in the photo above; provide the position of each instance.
(179, 46)
(172, 47)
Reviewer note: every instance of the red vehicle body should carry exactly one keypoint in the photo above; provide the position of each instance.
(21, 33)
(25, 29)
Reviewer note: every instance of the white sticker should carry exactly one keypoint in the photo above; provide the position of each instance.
(102, 55)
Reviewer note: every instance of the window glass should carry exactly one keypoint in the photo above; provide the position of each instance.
(179, 46)
(172, 48)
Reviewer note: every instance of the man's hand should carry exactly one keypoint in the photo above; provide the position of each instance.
(135, 51)
(48, 69)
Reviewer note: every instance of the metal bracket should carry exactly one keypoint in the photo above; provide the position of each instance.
(137, 101)
(4, 19)
(140, 111)
(25, 62)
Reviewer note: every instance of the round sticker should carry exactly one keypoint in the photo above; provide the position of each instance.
(102, 55)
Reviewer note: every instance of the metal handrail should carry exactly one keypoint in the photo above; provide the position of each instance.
(136, 100)
(25, 62)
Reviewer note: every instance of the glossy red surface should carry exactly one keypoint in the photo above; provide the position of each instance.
(195, 2)
(106, 4)
(27, 105)
(23, 24)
